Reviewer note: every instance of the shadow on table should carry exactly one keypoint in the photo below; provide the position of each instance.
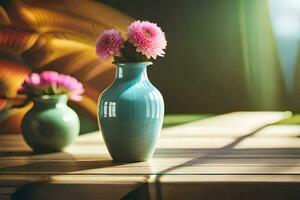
(51, 163)
(209, 156)
(16, 153)
(46, 165)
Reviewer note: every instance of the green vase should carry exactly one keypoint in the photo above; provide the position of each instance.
(50, 125)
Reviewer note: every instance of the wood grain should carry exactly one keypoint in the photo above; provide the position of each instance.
(237, 154)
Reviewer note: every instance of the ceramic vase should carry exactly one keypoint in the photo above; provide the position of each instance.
(50, 125)
(130, 114)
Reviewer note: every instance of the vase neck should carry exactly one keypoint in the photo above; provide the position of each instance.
(132, 71)
(50, 101)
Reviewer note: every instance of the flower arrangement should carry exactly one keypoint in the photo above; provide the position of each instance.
(145, 41)
(51, 83)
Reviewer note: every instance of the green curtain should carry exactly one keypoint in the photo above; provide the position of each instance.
(261, 62)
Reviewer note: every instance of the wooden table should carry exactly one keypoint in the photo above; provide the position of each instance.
(241, 155)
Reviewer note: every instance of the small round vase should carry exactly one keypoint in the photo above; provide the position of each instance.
(130, 114)
(50, 125)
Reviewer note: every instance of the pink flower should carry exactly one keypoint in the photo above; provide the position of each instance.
(148, 38)
(30, 82)
(49, 78)
(109, 43)
(72, 85)
(52, 83)
(33, 79)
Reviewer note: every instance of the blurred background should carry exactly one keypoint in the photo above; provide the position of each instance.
(222, 56)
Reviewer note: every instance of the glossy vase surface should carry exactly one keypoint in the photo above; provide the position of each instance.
(51, 124)
(131, 114)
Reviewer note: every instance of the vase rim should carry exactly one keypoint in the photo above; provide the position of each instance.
(135, 63)
(50, 97)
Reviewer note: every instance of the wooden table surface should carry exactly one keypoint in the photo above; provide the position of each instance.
(241, 155)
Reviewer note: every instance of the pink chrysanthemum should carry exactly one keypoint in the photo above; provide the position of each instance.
(33, 80)
(109, 43)
(148, 38)
(48, 78)
(52, 83)
(71, 85)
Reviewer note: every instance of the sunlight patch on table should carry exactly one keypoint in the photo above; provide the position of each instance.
(279, 131)
(192, 143)
(268, 143)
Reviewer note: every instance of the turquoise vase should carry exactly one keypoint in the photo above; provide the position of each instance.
(50, 125)
(131, 114)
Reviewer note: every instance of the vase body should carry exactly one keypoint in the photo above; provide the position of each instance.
(131, 114)
(50, 125)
